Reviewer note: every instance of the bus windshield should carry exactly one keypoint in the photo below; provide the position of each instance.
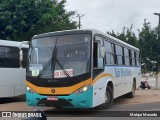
(71, 56)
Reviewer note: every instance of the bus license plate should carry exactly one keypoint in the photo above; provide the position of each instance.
(52, 98)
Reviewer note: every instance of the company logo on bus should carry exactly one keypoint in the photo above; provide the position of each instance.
(122, 72)
(53, 90)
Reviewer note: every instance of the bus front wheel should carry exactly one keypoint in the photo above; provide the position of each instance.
(108, 98)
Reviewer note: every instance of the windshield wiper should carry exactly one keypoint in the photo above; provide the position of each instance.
(45, 66)
(44, 69)
(62, 67)
(55, 60)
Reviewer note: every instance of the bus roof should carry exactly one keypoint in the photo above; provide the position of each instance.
(94, 31)
(12, 44)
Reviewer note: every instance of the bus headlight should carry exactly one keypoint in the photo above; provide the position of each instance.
(82, 89)
(30, 90)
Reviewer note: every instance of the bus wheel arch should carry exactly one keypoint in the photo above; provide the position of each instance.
(108, 96)
(111, 85)
(132, 93)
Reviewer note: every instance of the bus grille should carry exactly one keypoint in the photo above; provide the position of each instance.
(59, 103)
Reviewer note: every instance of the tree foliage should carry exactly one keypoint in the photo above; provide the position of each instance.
(127, 35)
(150, 47)
(147, 41)
(21, 19)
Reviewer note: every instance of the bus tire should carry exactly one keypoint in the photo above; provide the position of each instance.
(132, 93)
(108, 102)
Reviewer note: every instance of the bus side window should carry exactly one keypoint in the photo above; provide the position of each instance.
(126, 56)
(109, 54)
(119, 54)
(9, 57)
(130, 57)
(114, 54)
(135, 58)
(99, 52)
(123, 57)
(138, 59)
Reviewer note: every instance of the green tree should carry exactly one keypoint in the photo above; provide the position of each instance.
(150, 47)
(127, 35)
(148, 43)
(21, 19)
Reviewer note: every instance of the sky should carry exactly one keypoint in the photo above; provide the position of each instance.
(108, 15)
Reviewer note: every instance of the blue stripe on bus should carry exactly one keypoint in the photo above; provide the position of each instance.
(123, 66)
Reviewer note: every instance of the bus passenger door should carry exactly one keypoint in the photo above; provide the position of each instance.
(98, 58)
(98, 68)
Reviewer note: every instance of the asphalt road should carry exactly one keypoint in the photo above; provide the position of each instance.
(119, 111)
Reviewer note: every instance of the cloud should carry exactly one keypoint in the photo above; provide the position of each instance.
(107, 15)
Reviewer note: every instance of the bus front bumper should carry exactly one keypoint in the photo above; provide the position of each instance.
(83, 100)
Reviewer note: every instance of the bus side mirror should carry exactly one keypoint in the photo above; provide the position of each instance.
(102, 52)
(21, 55)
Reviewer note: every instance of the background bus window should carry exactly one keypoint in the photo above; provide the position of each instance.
(25, 54)
(9, 57)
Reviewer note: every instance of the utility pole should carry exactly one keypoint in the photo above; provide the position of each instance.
(158, 14)
(79, 17)
(157, 76)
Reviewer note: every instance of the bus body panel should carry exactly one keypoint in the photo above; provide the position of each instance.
(58, 90)
(99, 88)
(84, 100)
(122, 84)
(23, 76)
(19, 90)
(6, 91)
(14, 81)
(10, 76)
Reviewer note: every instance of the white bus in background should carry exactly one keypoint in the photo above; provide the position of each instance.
(13, 56)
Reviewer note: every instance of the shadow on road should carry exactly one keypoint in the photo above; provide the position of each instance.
(12, 99)
(70, 112)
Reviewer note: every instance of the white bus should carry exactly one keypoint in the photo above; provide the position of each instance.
(80, 69)
(13, 56)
